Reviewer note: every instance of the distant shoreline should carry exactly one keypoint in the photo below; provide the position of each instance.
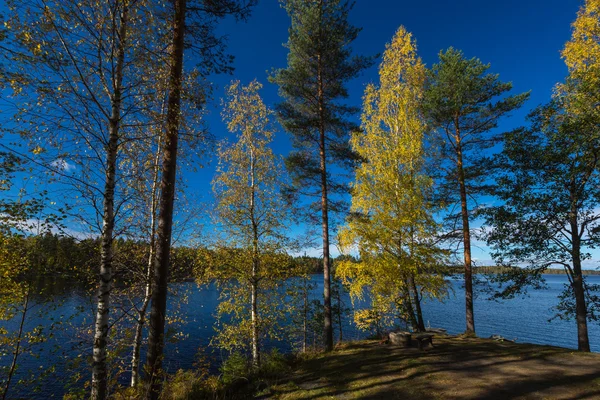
(562, 272)
(549, 271)
(496, 270)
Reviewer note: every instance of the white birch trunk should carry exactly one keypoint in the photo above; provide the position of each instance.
(99, 367)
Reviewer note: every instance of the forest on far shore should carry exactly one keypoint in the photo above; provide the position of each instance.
(75, 260)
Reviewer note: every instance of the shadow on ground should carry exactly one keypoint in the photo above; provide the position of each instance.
(456, 368)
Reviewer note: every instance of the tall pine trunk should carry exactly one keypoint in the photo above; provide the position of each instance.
(99, 369)
(328, 325)
(466, 238)
(583, 341)
(165, 217)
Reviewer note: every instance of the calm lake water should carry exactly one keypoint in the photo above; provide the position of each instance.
(523, 319)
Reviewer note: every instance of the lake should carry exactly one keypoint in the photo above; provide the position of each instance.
(523, 319)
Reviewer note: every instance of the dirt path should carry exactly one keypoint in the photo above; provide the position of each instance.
(456, 368)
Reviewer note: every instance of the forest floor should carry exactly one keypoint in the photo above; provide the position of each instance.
(456, 368)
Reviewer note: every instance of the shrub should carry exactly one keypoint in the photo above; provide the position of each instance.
(191, 385)
(235, 368)
(274, 366)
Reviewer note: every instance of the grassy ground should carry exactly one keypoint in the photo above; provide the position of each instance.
(456, 368)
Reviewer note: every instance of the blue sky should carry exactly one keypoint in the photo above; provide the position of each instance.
(521, 40)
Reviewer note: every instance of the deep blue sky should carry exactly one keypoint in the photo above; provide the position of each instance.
(521, 40)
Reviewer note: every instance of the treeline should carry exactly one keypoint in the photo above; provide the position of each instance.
(69, 259)
(65, 258)
(502, 270)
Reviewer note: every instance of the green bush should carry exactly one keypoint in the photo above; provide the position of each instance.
(191, 385)
(238, 379)
(274, 366)
(235, 368)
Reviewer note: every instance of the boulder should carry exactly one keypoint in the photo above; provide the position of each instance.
(440, 331)
(400, 338)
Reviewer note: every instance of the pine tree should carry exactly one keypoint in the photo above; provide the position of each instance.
(460, 103)
(550, 187)
(160, 271)
(550, 182)
(184, 27)
(320, 63)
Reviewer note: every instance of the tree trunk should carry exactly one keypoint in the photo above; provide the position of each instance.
(255, 262)
(466, 240)
(305, 322)
(13, 365)
(583, 341)
(137, 341)
(417, 301)
(99, 369)
(99, 372)
(408, 307)
(328, 326)
(339, 316)
(255, 348)
(411, 276)
(165, 216)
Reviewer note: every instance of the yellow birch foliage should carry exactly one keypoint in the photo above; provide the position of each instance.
(253, 217)
(391, 223)
(582, 52)
(246, 184)
(580, 94)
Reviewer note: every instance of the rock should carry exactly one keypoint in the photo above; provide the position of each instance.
(502, 339)
(400, 338)
(440, 331)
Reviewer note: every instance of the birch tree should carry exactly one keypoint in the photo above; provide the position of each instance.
(582, 56)
(253, 216)
(89, 84)
(391, 223)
